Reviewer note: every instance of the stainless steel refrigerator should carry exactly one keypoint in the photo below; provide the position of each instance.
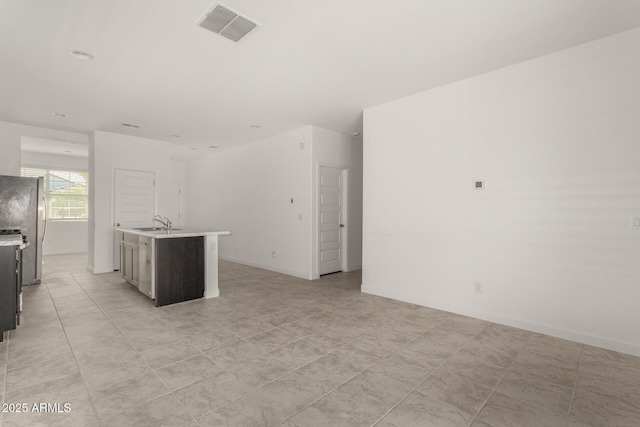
(22, 206)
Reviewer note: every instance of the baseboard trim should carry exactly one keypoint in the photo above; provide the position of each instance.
(581, 337)
(267, 267)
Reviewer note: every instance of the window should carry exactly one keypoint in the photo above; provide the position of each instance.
(67, 192)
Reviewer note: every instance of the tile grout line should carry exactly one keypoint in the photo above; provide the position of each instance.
(278, 378)
(142, 358)
(297, 369)
(45, 284)
(428, 376)
(91, 395)
(527, 343)
(575, 385)
(368, 367)
(355, 339)
(84, 381)
(330, 391)
(221, 367)
(139, 353)
(268, 353)
(6, 370)
(493, 390)
(520, 399)
(360, 372)
(169, 392)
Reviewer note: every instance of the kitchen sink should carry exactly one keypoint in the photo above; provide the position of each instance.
(156, 229)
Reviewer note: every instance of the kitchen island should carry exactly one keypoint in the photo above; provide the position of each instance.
(171, 266)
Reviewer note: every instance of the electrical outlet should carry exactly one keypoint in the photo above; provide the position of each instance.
(477, 287)
(274, 255)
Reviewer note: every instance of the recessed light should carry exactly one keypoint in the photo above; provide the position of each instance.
(129, 125)
(213, 146)
(82, 55)
(174, 136)
(61, 115)
(67, 151)
(255, 126)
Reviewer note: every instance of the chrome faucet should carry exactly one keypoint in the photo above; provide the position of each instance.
(166, 222)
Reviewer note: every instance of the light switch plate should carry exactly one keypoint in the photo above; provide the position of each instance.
(635, 222)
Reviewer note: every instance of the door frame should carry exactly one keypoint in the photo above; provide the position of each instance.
(113, 208)
(315, 240)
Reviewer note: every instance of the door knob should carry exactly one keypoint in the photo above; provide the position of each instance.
(117, 224)
(341, 225)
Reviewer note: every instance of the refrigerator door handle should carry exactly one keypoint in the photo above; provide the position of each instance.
(44, 217)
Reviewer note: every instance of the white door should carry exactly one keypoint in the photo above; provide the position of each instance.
(174, 213)
(331, 225)
(134, 204)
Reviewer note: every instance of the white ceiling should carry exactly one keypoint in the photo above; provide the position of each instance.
(310, 62)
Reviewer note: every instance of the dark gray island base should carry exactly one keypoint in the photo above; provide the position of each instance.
(179, 270)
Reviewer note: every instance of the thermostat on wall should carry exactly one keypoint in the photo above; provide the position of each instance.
(478, 185)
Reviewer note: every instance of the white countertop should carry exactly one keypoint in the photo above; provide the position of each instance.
(11, 240)
(177, 232)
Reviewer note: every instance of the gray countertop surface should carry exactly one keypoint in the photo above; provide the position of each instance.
(177, 232)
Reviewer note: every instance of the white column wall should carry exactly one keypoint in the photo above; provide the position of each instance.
(355, 205)
(556, 141)
(178, 175)
(107, 152)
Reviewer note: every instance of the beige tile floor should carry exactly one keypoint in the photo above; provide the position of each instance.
(277, 350)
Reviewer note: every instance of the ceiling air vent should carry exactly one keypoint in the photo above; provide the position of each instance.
(228, 23)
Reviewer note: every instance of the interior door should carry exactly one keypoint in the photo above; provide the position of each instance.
(331, 225)
(134, 204)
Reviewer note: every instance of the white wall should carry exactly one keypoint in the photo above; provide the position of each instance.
(66, 237)
(10, 145)
(339, 150)
(549, 239)
(62, 236)
(11, 134)
(107, 152)
(178, 175)
(248, 190)
(355, 205)
(30, 158)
